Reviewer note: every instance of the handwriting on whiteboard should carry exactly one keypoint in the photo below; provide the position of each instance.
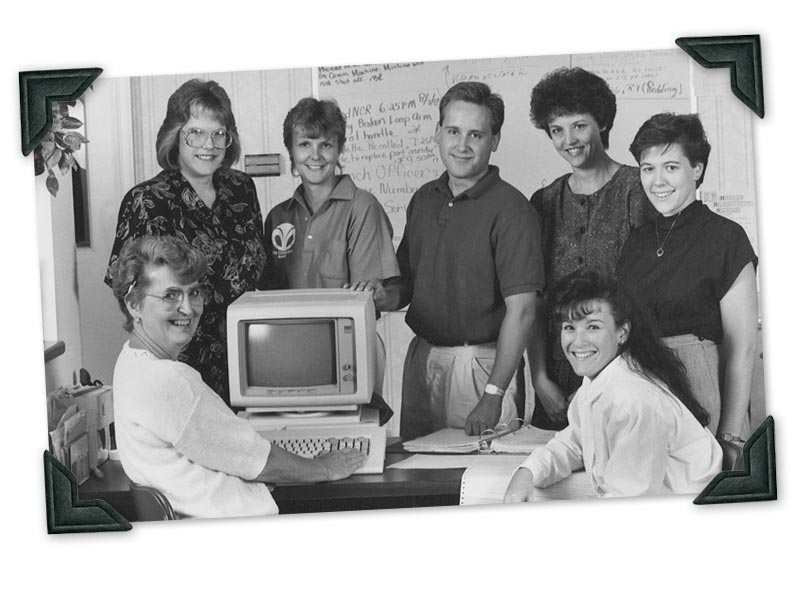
(652, 74)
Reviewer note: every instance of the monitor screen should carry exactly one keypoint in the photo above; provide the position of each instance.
(302, 350)
(291, 353)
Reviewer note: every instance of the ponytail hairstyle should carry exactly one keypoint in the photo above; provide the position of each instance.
(576, 296)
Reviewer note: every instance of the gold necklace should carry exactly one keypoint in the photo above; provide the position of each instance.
(660, 250)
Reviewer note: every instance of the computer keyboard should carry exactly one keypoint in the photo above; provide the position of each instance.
(311, 447)
(310, 442)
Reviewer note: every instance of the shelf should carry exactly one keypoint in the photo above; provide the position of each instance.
(53, 349)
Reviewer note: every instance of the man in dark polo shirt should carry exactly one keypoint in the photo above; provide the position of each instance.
(471, 269)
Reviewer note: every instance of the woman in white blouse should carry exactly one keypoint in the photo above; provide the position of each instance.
(633, 424)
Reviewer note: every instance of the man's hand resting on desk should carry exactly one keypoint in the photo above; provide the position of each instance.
(520, 488)
(340, 464)
(485, 415)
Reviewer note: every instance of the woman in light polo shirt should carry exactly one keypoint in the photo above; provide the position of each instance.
(329, 233)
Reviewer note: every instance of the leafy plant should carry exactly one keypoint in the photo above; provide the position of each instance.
(57, 148)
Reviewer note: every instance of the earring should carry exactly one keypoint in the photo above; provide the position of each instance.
(138, 320)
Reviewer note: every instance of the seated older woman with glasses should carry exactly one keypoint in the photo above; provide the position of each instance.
(173, 431)
(200, 199)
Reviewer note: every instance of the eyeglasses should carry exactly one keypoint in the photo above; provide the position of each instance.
(197, 138)
(173, 297)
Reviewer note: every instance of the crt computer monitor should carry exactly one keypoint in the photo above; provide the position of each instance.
(302, 350)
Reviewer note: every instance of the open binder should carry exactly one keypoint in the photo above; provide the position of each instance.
(505, 440)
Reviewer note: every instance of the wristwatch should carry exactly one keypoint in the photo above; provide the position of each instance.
(493, 390)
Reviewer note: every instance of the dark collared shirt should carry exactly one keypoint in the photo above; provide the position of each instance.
(462, 256)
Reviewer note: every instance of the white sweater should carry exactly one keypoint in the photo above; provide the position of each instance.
(175, 434)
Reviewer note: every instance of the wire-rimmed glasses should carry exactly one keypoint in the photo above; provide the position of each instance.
(172, 298)
(197, 138)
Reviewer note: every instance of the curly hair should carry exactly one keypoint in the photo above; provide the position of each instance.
(315, 118)
(130, 280)
(668, 129)
(576, 296)
(476, 93)
(573, 91)
(193, 98)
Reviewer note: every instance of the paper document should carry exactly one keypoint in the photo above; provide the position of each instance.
(484, 484)
(458, 461)
(505, 440)
(522, 441)
(448, 441)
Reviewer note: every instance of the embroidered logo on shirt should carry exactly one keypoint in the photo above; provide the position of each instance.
(283, 239)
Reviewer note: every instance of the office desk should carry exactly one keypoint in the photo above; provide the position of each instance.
(394, 488)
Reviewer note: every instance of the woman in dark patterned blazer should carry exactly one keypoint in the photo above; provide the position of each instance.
(587, 213)
(198, 198)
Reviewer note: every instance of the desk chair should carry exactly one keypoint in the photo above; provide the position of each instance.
(151, 504)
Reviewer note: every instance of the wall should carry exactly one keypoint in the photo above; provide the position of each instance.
(109, 171)
(260, 102)
(58, 279)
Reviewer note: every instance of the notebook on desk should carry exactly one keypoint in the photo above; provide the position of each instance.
(444, 441)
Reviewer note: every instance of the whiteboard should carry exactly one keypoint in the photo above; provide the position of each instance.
(392, 111)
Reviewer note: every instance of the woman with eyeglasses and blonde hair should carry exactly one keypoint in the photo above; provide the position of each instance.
(201, 200)
(174, 433)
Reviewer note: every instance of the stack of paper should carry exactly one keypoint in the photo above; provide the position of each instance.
(576, 486)
(487, 483)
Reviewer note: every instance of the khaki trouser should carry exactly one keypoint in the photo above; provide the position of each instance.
(442, 384)
(703, 369)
